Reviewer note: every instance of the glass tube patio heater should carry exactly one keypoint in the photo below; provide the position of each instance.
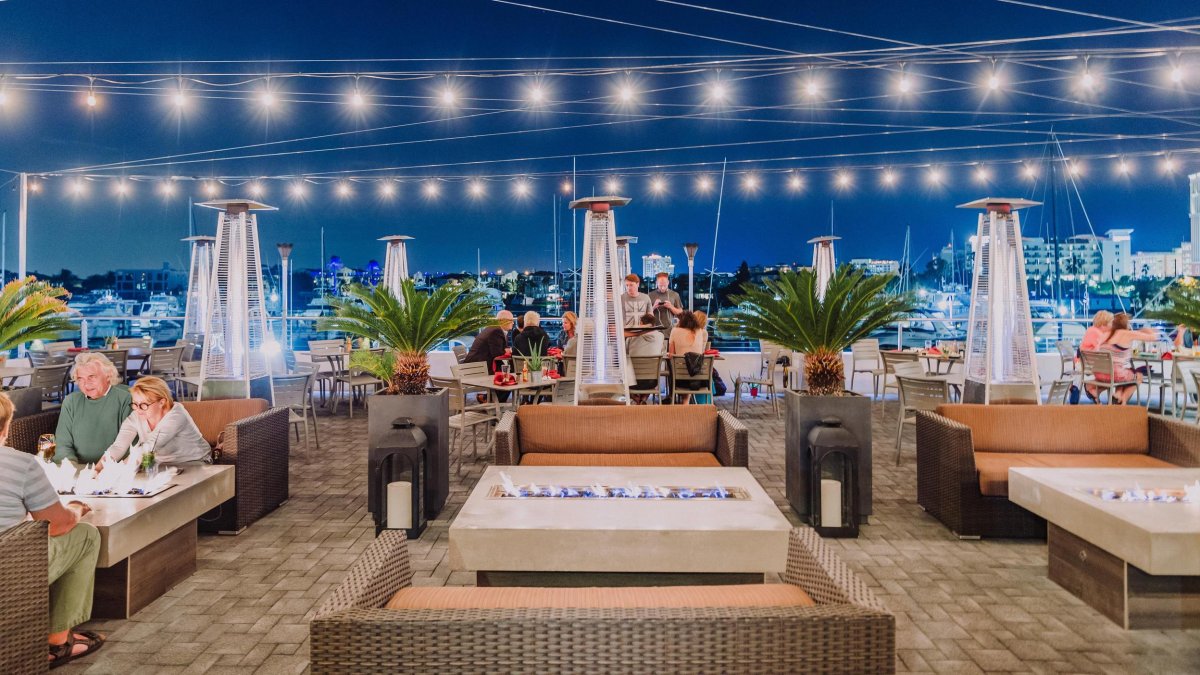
(395, 262)
(199, 273)
(600, 371)
(824, 262)
(1001, 365)
(235, 361)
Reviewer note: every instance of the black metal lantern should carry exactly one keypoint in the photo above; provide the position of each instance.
(401, 455)
(833, 508)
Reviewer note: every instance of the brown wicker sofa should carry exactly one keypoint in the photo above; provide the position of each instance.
(677, 435)
(24, 580)
(964, 453)
(842, 628)
(256, 441)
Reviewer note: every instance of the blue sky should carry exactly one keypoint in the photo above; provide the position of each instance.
(765, 125)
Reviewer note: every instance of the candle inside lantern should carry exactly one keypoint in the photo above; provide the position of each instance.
(831, 503)
(399, 505)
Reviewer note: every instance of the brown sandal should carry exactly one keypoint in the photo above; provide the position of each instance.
(61, 654)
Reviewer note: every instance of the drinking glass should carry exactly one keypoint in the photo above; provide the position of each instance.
(928, 344)
(504, 368)
(47, 446)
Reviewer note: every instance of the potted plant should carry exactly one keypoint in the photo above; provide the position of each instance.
(789, 312)
(408, 324)
(536, 361)
(31, 310)
(1182, 307)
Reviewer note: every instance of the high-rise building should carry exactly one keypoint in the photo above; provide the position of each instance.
(654, 263)
(876, 267)
(1163, 264)
(1194, 180)
(1088, 257)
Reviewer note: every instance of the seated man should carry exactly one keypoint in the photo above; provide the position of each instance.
(491, 342)
(533, 338)
(91, 417)
(74, 547)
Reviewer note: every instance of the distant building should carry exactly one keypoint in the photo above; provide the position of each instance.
(1194, 180)
(654, 263)
(135, 284)
(876, 267)
(1163, 264)
(1088, 257)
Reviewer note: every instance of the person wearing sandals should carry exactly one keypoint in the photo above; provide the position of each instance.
(73, 547)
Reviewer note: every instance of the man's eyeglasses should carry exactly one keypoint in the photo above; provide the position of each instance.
(142, 406)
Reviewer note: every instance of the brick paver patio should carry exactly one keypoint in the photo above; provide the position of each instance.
(961, 606)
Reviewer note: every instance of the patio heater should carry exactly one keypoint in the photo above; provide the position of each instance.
(235, 361)
(824, 262)
(285, 292)
(395, 262)
(690, 249)
(1001, 364)
(624, 267)
(600, 372)
(199, 274)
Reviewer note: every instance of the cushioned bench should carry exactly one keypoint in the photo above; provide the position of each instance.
(678, 435)
(821, 619)
(964, 453)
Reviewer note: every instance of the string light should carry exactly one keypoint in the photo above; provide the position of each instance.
(795, 182)
(843, 179)
(167, 189)
(612, 186)
(256, 190)
(1178, 74)
(993, 82)
(566, 187)
(718, 92)
(750, 183)
(122, 188)
(889, 178)
(537, 94)
(627, 93)
(343, 189)
(449, 98)
(357, 100)
(1030, 171)
(1124, 168)
(658, 186)
(3, 97)
(1074, 168)
(475, 188)
(91, 98)
(522, 188)
(904, 84)
(430, 189)
(210, 188)
(982, 175)
(387, 189)
(1087, 80)
(298, 189)
(704, 184)
(78, 188)
(35, 186)
(267, 99)
(1169, 165)
(934, 176)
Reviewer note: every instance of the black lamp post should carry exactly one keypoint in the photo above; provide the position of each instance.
(690, 249)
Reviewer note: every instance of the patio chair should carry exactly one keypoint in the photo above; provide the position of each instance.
(767, 380)
(917, 394)
(866, 358)
(134, 343)
(60, 347)
(890, 359)
(38, 358)
(166, 363)
(294, 392)
(645, 369)
(23, 579)
(52, 380)
(1059, 391)
(702, 380)
(1183, 388)
(1095, 365)
(1066, 358)
(326, 345)
(467, 416)
(120, 359)
(460, 352)
(191, 349)
(190, 369)
(353, 379)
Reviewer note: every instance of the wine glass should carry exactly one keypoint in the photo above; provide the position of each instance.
(46, 446)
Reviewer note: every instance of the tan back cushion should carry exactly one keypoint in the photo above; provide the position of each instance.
(1065, 429)
(211, 417)
(659, 459)
(467, 597)
(618, 428)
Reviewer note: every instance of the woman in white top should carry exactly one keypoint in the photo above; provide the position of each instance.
(160, 426)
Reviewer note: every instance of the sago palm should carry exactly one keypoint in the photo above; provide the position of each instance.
(32, 310)
(408, 326)
(788, 312)
(1182, 306)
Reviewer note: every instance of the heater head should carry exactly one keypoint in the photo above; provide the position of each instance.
(591, 202)
(998, 204)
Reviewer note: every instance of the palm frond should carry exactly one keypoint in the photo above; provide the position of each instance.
(32, 310)
(1183, 307)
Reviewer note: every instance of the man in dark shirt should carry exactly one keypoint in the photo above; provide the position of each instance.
(665, 302)
(491, 342)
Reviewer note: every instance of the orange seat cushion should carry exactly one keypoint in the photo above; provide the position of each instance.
(993, 466)
(610, 459)
(617, 428)
(211, 417)
(1054, 429)
(467, 597)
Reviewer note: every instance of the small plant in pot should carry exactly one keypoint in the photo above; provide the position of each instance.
(536, 362)
(31, 310)
(790, 312)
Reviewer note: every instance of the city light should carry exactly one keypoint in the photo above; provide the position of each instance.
(430, 188)
(475, 188)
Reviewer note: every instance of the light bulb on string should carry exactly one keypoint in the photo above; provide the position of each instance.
(750, 183)
(718, 92)
(522, 188)
(537, 94)
(1029, 171)
(904, 84)
(612, 186)
(1086, 79)
(1074, 168)
(627, 93)
(704, 185)
(78, 187)
(256, 190)
(122, 188)
(3, 97)
(934, 176)
(298, 189)
(982, 175)
(91, 99)
(357, 100)
(476, 188)
(343, 189)
(1169, 164)
(658, 186)
(795, 182)
(430, 188)
(993, 82)
(1178, 74)
(889, 177)
(35, 186)
(166, 188)
(267, 99)
(210, 188)
(1124, 167)
(566, 187)
(842, 180)
(449, 98)
(387, 189)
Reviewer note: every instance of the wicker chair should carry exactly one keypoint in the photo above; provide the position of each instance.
(24, 578)
(845, 629)
(949, 480)
(697, 435)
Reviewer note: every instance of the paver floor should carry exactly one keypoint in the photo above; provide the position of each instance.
(961, 606)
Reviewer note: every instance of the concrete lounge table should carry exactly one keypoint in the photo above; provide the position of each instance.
(1137, 563)
(148, 544)
(618, 541)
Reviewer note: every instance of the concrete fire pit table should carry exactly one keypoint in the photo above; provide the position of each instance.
(674, 533)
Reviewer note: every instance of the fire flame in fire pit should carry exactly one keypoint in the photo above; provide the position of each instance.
(509, 490)
(117, 479)
(1188, 494)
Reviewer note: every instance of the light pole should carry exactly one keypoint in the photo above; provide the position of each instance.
(691, 248)
(285, 292)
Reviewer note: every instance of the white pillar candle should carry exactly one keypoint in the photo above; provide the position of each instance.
(831, 503)
(399, 505)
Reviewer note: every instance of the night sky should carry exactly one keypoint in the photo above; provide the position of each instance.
(45, 126)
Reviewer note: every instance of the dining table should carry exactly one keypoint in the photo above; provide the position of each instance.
(10, 374)
(487, 382)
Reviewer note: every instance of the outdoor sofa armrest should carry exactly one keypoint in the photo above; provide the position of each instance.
(23, 434)
(382, 570)
(24, 584)
(258, 446)
(508, 445)
(814, 566)
(733, 441)
(1174, 441)
(945, 467)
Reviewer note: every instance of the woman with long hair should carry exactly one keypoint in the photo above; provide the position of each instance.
(1120, 344)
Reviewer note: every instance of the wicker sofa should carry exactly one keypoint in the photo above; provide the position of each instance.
(24, 579)
(678, 435)
(840, 628)
(256, 441)
(964, 453)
